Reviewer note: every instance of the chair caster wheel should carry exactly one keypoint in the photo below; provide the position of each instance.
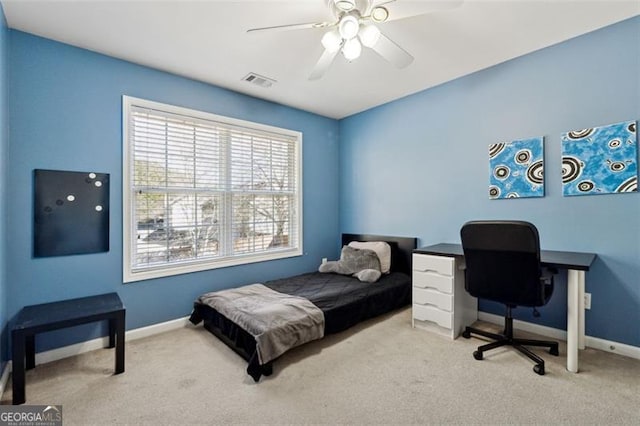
(539, 369)
(466, 334)
(478, 355)
(554, 351)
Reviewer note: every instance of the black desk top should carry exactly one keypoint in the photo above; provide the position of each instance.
(47, 313)
(559, 259)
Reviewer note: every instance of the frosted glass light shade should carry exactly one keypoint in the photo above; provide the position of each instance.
(369, 35)
(332, 41)
(352, 49)
(348, 27)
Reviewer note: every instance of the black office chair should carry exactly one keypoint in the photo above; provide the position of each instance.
(503, 264)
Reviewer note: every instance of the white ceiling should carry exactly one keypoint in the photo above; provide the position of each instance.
(207, 41)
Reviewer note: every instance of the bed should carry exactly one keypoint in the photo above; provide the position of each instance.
(342, 299)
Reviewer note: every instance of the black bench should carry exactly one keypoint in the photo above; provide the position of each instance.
(35, 319)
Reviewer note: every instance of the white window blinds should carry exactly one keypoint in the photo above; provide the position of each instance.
(204, 191)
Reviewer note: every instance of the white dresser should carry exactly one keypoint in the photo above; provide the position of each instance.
(440, 302)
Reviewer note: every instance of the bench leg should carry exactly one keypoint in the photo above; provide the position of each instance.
(112, 333)
(116, 329)
(18, 373)
(30, 348)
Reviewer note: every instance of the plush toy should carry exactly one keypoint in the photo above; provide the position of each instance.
(360, 263)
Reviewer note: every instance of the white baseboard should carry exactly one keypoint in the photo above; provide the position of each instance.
(150, 330)
(99, 343)
(542, 330)
(613, 347)
(554, 333)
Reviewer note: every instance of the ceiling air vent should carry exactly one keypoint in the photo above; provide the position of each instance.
(259, 80)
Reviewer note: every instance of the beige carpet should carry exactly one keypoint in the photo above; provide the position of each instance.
(380, 372)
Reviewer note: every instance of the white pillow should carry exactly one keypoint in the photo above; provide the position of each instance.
(382, 249)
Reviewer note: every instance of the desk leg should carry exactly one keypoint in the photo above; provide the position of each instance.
(18, 344)
(581, 311)
(575, 317)
(117, 327)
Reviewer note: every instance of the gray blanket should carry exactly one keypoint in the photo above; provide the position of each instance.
(276, 320)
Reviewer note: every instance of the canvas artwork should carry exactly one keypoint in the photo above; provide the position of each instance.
(516, 169)
(600, 160)
(71, 213)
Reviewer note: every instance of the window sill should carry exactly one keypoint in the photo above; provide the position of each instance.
(130, 276)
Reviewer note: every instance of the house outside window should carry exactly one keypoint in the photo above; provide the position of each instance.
(201, 191)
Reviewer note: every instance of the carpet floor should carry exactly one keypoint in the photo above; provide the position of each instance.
(378, 372)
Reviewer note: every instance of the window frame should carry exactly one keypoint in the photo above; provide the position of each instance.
(129, 225)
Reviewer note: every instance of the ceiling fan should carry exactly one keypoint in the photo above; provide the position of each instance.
(355, 26)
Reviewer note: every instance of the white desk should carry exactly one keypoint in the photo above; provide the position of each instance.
(576, 265)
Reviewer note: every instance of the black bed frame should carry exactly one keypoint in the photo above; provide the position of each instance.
(401, 252)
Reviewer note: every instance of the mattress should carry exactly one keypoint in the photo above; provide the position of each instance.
(344, 301)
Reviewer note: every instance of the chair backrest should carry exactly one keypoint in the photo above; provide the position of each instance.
(503, 262)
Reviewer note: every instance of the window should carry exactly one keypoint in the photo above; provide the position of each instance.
(202, 191)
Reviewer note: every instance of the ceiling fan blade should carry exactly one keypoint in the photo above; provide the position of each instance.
(323, 64)
(393, 53)
(292, 27)
(407, 9)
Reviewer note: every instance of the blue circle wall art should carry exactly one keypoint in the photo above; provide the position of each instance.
(516, 169)
(600, 160)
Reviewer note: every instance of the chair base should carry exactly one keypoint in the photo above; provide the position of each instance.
(507, 339)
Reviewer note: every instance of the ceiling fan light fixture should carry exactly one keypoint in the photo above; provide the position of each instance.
(351, 49)
(369, 35)
(348, 27)
(379, 14)
(345, 5)
(332, 41)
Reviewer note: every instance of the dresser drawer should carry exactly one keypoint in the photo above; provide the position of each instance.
(427, 296)
(436, 264)
(433, 314)
(431, 280)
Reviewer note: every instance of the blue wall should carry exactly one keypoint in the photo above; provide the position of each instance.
(419, 166)
(415, 167)
(4, 142)
(65, 112)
